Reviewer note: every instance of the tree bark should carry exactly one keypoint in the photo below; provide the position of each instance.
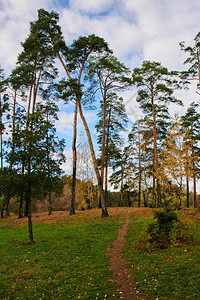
(187, 192)
(106, 183)
(50, 204)
(21, 204)
(106, 157)
(99, 181)
(103, 137)
(1, 134)
(121, 189)
(140, 175)
(73, 191)
(100, 186)
(155, 147)
(194, 192)
(28, 201)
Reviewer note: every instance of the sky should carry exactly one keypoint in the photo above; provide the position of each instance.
(136, 30)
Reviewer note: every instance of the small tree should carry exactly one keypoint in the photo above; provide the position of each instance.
(176, 157)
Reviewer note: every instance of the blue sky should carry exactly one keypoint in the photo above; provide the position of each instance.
(136, 30)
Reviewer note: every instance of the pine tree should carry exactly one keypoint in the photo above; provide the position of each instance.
(191, 123)
(193, 73)
(155, 92)
(107, 75)
(114, 112)
(74, 61)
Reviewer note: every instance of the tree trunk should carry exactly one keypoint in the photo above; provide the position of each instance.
(28, 201)
(194, 182)
(21, 205)
(7, 202)
(2, 210)
(195, 192)
(99, 181)
(154, 187)
(187, 192)
(1, 135)
(106, 183)
(50, 204)
(140, 175)
(155, 148)
(121, 189)
(72, 208)
(100, 186)
(128, 199)
(103, 137)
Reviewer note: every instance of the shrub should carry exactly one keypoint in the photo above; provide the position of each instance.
(166, 230)
(162, 230)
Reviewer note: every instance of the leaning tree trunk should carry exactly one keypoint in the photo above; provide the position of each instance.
(99, 181)
(100, 186)
(72, 209)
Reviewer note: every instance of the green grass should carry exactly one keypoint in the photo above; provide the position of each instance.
(170, 274)
(68, 260)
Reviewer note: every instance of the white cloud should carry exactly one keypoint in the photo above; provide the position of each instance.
(65, 123)
(91, 6)
(135, 30)
(14, 23)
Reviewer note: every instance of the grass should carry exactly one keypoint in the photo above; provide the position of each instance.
(68, 260)
(167, 274)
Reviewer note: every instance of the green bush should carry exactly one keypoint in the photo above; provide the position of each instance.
(165, 231)
(162, 230)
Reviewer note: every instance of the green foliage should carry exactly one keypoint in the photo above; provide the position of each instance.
(161, 230)
(166, 231)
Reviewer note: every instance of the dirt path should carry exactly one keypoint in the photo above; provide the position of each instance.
(121, 275)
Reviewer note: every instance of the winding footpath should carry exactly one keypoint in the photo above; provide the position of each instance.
(122, 277)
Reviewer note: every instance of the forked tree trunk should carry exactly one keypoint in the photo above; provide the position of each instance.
(99, 181)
